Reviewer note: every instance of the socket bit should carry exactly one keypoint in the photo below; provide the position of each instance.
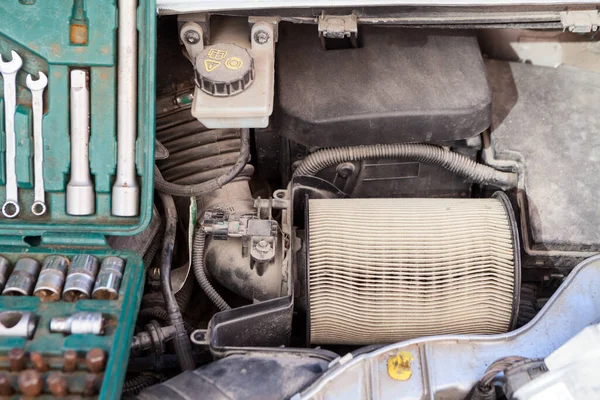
(6, 388)
(30, 383)
(70, 361)
(38, 361)
(109, 279)
(17, 324)
(57, 384)
(79, 323)
(81, 277)
(80, 189)
(52, 277)
(22, 280)
(95, 360)
(16, 359)
(4, 271)
(91, 385)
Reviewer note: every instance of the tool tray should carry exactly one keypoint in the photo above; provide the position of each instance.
(120, 318)
(44, 36)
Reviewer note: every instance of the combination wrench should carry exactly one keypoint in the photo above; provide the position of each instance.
(11, 208)
(37, 91)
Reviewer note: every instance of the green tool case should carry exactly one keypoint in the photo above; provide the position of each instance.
(55, 37)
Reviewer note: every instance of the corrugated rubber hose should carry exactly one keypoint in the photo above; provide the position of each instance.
(198, 264)
(424, 153)
(201, 189)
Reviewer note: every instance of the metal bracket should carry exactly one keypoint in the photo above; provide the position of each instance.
(583, 21)
(337, 26)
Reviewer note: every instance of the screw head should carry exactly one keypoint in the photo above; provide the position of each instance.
(192, 37)
(261, 37)
(263, 246)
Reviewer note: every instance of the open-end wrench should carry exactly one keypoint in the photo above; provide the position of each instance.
(11, 208)
(37, 92)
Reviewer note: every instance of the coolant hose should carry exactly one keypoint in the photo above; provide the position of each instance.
(424, 153)
(198, 265)
(201, 189)
(181, 341)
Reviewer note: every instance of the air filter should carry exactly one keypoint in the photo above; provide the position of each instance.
(387, 270)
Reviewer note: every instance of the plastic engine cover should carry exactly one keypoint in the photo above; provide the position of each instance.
(400, 85)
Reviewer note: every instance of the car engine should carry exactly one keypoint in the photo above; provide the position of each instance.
(417, 180)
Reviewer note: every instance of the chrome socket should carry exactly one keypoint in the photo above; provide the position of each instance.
(22, 280)
(4, 271)
(17, 324)
(79, 323)
(81, 277)
(109, 279)
(52, 278)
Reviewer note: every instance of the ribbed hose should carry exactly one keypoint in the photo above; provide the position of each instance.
(181, 341)
(198, 264)
(135, 385)
(424, 153)
(203, 188)
(159, 313)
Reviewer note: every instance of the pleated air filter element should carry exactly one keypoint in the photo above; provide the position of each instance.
(387, 270)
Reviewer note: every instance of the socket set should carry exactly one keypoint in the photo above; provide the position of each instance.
(66, 321)
(77, 98)
(57, 277)
(76, 114)
(33, 374)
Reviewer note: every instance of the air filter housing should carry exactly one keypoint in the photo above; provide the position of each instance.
(387, 270)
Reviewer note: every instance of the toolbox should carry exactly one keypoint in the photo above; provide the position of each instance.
(56, 38)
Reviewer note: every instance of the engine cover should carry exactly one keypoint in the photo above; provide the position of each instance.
(401, 85)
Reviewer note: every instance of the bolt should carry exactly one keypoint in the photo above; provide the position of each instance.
(16, 359)
(263, 246)
(70, 361)
(38, 362)
(192, 37)
(6, 388)
(91, 385)
(95, 359)
(345, 170)
(261, 37)
(57, 384)
(30, 383)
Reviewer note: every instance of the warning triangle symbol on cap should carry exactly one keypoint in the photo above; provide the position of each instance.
(211, 65)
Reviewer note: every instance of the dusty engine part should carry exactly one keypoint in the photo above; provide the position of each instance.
(49, 285)
(242, 250)
(23, 277)
(385, 270)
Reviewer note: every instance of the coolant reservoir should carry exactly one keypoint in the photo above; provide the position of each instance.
(234, 83)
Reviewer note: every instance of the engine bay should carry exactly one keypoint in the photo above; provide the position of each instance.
(407, 182)
(346, 202)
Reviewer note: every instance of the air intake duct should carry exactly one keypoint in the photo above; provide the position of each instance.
(387, 270)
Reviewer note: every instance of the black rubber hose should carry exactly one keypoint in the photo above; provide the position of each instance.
(152, 250)
(137, 384)
(198, 266)
(181, 341)
(201, 189)
(159, 313)
(424, 153)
